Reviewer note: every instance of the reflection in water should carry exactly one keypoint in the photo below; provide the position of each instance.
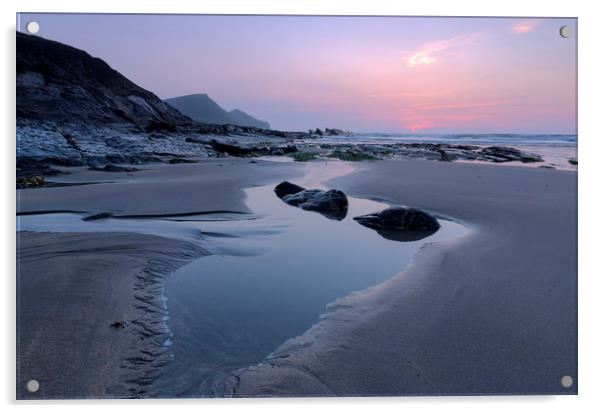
(268, 280)
(405, 235)
(228, 312)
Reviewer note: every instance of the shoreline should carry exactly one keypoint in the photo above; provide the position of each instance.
(359, 348)
(289, 371)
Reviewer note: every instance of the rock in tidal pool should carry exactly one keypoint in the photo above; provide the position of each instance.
(100, 215)
(287, 188)
(333, 204)
(400, 219)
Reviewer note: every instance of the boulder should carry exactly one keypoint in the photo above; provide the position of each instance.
(287, 188)
(401, 219)
(332, 204)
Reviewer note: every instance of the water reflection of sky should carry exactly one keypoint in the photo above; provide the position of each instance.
(271, 275)
(231, 311)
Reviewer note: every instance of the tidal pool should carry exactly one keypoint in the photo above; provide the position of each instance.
(272, 279)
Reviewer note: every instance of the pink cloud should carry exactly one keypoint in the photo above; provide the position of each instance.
(427, 53)
(524, 26)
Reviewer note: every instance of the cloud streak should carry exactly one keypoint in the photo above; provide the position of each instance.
(524, 26)
(431, 52)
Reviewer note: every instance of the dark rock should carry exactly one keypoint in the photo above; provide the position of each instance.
(160, 126)
(333, 204)
(113, 168)
(506, 154)
(335, 132)
(212, 129)
(29, 168)
(400, 218)
(177, 160)
(113, 158)
(31, 182)
(119, 324)
(234, 150)
(464, 147)
(287, 188)
(100, 215)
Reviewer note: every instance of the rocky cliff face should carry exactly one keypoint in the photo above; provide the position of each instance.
(62, 83)
(74, 109)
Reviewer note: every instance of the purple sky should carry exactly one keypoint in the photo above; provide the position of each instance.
(389, 74)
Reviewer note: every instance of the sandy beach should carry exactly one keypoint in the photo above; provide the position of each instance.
(73, 286)
(495, 309)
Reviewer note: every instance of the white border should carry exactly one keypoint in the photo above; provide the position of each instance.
(590, 148)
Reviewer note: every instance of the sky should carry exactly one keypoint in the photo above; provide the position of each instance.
(365, 74)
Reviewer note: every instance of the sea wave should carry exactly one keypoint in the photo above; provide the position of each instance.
(483, 139)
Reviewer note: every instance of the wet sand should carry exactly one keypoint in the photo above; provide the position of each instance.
(492, 311)
(212, 184)
(73, 286)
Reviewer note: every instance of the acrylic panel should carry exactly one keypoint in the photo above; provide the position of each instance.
(293, 206)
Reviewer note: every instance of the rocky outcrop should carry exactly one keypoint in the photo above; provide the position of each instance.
(60, 82)
(328, 132)
(242, 150)
(400, 219)
(506, 154)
